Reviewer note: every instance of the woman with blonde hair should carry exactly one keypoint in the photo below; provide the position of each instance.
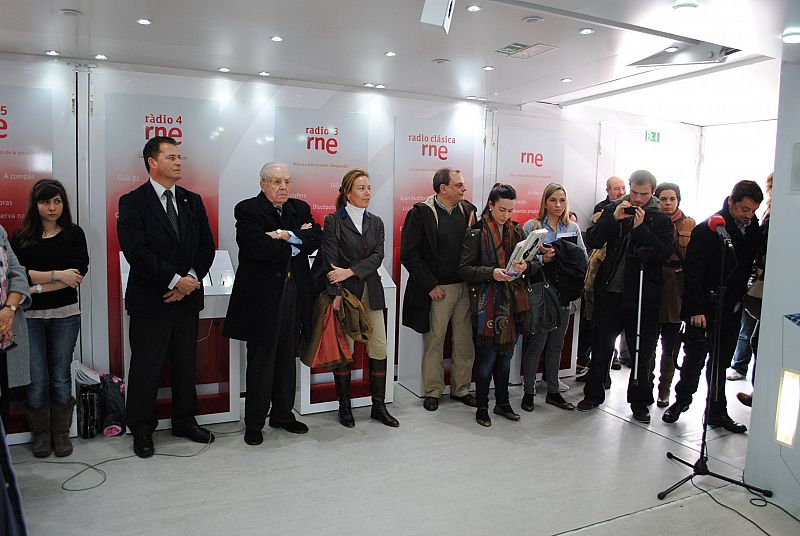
(554, 217)
(352, 246)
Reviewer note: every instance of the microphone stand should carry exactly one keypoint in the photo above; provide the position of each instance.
(700, 467)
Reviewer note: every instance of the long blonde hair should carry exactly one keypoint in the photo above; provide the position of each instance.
(552, 188)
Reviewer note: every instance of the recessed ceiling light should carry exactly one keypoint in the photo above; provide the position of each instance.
(144, 22)
(473, 8)
(791, 36)
(683, 4)
(263, 73)
(471, 97)
(532, 19)
(100, 57)
(277, 38)
(671, 49)
(440, 60)
(586, 31)
(53, 53)
(67, 12)
(566, 80)
(224, 70)
(369, 84)
(390, 54)
(380, 86)
(488, 68)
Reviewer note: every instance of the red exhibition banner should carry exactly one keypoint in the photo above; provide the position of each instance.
(130, 122)
(421, 147)
(320, 146)
(529, 160)
(26, 149)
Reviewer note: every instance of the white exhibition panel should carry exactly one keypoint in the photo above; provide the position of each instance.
(307, 379)
(217, 288)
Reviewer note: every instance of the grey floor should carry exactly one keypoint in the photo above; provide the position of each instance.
(553, 472)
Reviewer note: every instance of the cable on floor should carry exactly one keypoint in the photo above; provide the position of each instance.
(734, 510)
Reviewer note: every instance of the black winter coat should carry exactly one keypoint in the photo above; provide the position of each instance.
(419, 253)
(263, 262)
(650, 244)
(702, 263)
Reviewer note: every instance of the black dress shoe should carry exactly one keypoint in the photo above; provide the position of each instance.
(558, 401)
(527, 402)
(294, 427)
(253, 437)
(482, 417)
(641, 414)
(431, 403)
(586, 405)
(726, 422)
(143, 446)
(506, 411)
(467, 400)
(198, 434)
(673, 412)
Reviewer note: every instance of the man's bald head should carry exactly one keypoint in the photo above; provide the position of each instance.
(615, 188)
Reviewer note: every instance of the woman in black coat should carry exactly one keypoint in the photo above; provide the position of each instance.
(352, 247)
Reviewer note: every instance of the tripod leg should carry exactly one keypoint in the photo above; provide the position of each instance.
(675, 486)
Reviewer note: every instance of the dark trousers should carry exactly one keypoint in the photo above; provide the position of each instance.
(609, 320)
(670, 346)
(5, 396)
(696, 347)
(153, 339)
(492, 364)
(271, 368)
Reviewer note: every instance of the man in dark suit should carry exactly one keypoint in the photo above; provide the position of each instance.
(164, 233)
(270, 305)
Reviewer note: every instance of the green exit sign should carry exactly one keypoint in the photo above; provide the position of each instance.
(652, 135)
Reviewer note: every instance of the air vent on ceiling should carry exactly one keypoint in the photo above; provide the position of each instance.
(521, 51)
(692, 54)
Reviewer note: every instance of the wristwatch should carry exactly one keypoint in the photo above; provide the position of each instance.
(38, 288)
(12, 307)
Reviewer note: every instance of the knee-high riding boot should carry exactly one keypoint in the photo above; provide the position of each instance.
(341, 378)
(377, 388)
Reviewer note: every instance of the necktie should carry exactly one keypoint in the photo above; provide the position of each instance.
(172, 214)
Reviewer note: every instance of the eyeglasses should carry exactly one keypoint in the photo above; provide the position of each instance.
(278, 182)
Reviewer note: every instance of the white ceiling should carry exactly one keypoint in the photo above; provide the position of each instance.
(343, 43)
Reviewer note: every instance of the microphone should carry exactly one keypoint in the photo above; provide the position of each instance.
(717, 224)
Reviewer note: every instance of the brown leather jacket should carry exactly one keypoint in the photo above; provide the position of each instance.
(672, 296)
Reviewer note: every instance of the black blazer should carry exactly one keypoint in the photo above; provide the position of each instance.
(362, 252)
(156, 254)
(263, 263)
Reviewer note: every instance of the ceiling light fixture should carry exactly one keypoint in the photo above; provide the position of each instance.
(482, 99)
(263, 73)
(100, 57)
(532, 19)
(586, 31)
(671, 49)
(369, 84)
(53, 53)
(276, 38)
(566, 80)
(144, 22)
(440, 61)
(390, 54)
(473, 8)
(685, 4)
(380, 86)
(791, 36)
(224, 70)
(488, 68)
(471, 97)
(67, 12)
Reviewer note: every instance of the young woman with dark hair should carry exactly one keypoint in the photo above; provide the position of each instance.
(54, 253)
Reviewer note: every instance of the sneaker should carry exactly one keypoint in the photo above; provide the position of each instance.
(562, 387)
(506, 411)
(734, 375)
(482, 417)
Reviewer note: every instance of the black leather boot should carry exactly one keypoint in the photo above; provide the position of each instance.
(377, 388)
(341, 378)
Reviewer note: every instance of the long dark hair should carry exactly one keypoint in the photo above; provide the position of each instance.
(31, 231)
(499, 191)
(347, 185)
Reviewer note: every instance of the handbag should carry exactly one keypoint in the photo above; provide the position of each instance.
(543, 306)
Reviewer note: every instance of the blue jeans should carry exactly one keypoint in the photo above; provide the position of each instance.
(52, 342)
(492, 363)
(744, 350)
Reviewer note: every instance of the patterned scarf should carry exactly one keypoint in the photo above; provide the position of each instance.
(502, 305)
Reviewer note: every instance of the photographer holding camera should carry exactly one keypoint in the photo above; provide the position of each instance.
(638, 237)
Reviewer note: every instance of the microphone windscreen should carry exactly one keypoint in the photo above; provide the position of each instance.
(715, 221)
